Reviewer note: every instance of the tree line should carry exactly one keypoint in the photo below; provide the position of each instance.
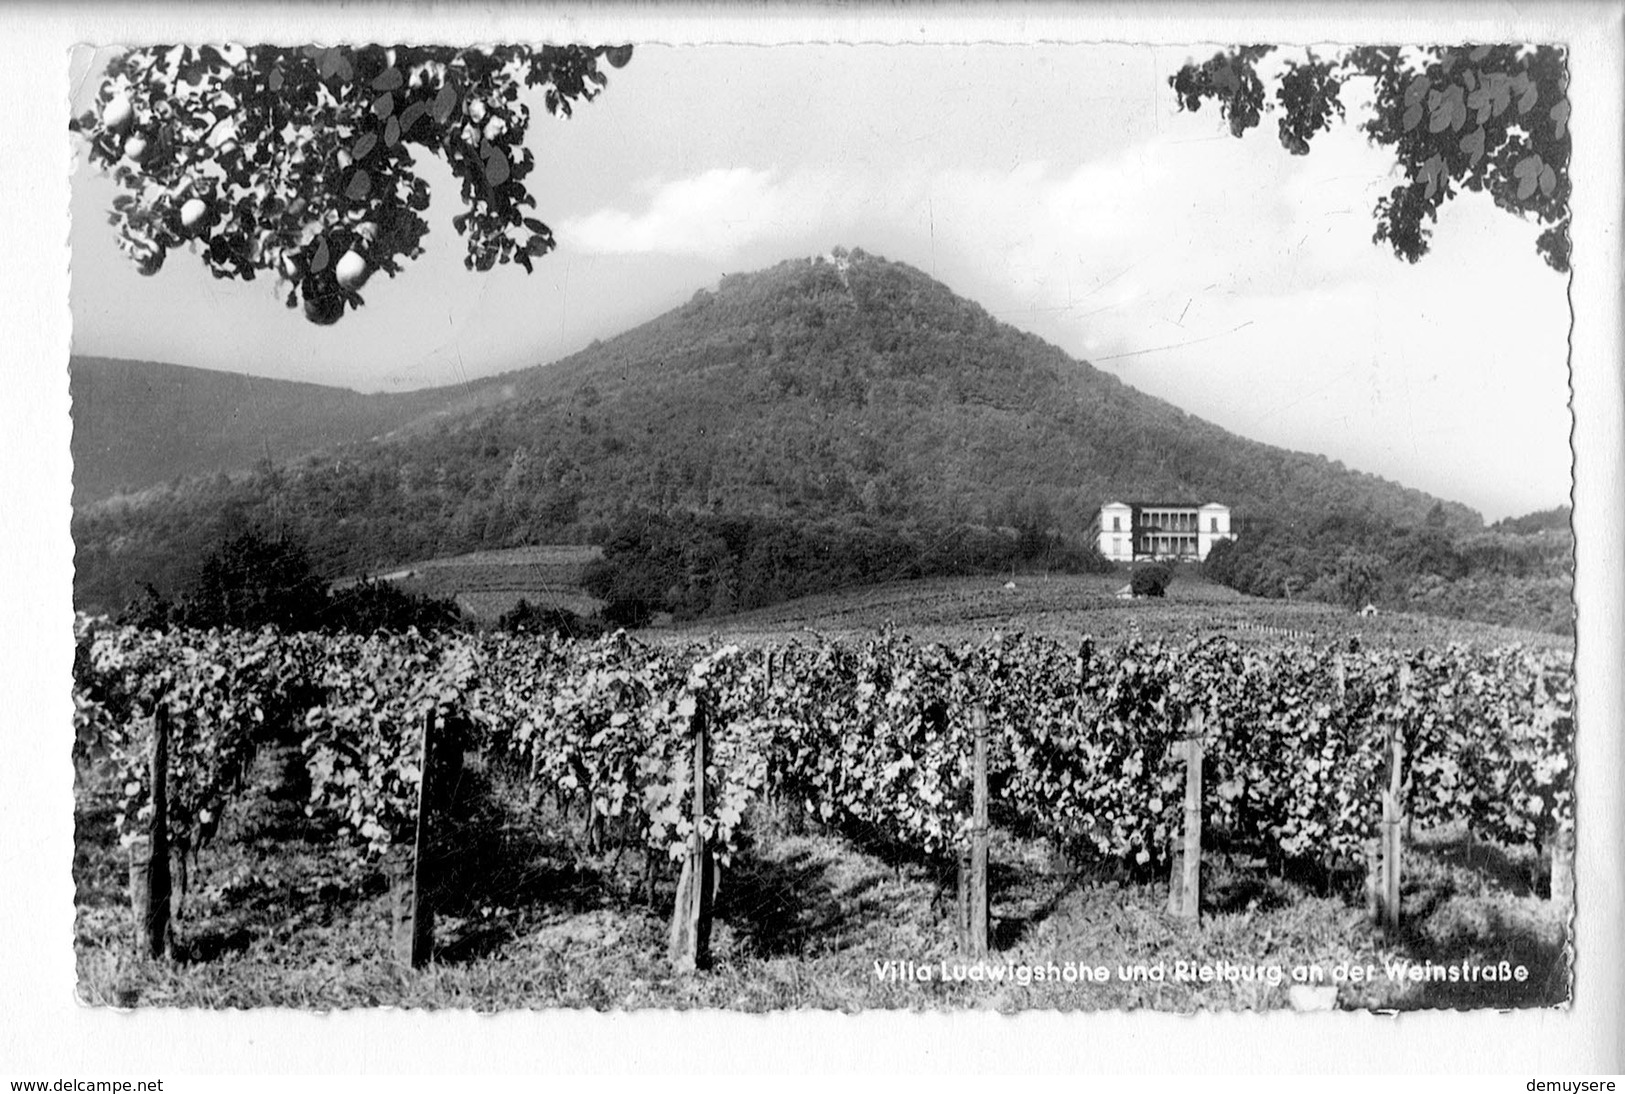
(686, 566)
(1518, 572)
(258, 577)
(692, 565)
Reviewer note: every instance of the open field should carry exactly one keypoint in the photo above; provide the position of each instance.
(485, 584)
(1066, 606)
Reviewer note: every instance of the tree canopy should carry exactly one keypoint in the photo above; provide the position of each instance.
(301, 162)
(1485, 118)
(256, 579)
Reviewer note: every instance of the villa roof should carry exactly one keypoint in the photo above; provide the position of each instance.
(1164, 505)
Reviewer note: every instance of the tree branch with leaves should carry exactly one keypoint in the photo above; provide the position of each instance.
(1484, 118)
(302, 162)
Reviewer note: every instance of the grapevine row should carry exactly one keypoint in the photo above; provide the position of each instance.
(1296, 738)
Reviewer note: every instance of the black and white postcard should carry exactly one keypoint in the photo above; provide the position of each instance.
(918, 516)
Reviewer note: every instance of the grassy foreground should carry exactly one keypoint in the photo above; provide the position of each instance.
(278, 915)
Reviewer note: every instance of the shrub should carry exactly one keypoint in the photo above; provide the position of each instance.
(255, 578)
(1152, 579)
(369, 606)
(527, 618)
(150, 610)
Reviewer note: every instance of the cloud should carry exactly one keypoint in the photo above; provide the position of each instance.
(714, 215)
(1033, 219)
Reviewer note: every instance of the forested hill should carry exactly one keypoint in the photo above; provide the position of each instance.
(858, 392)
(140, 423)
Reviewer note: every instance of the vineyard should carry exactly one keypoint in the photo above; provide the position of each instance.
(487, 583)
(1064, 606)
(1301, 755)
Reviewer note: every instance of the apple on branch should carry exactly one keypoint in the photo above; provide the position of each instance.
(194, 214)
(117, 114)
(352, 270)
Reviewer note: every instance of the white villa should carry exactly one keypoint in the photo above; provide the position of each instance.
(1126, 531)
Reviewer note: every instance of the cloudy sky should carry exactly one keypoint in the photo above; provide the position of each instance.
(1058, 186)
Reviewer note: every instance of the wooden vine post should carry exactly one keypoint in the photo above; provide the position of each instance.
(1393, 864)
(975, 906)
(1176, 853)
(150, 881)
(689, 947)
(1185, 866)
(1373, 880)
(415, 881)
(1382, 893)
(1192, 887)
